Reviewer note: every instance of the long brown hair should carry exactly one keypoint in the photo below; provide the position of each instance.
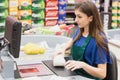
(95, 27)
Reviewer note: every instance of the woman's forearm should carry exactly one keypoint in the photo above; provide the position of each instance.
(99, 71)
(68, 44)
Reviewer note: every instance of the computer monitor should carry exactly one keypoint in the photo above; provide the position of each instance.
(13, 35)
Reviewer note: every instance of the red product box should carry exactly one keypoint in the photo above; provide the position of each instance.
(51, 22)
(51, 3)
(51, 13)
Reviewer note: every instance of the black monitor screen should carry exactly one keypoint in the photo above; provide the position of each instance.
(13, 35)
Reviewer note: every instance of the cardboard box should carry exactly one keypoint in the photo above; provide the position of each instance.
(13, 3)
(25, 14)
(25, 4)
(51, 13)
(51, 3)
(51, 22)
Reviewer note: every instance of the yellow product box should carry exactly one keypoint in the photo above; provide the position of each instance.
(24, 22)
(13, 10)
(115, 3)
(118, 12)
(118, 17)
(25, 4)
(114, 17)
(13, 3)
(114, 11)
(25, 14)
(114, 24)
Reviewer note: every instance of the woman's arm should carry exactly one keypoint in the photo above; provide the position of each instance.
(99, 71)
(64, 48)
(68, 45)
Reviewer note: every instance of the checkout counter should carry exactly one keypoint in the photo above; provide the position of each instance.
(114, 42)
(35, 59)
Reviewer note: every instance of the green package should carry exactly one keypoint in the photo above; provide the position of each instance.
(38, 23)
(2, 25)
(38, 4)
(25, 5)
(3, 13)
(3, 4)
(38, 14)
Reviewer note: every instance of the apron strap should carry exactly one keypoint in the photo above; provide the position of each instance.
(86, 41)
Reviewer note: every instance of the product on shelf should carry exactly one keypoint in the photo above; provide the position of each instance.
(25, 4)
(38, 14)
(38, 23)
(3, 3)
(2, 25)
(3, 14)
(115, 14)
(13, 8)
(51, 13)
(61, 11)
(51, 22)
(51, 4)
(24, 22)
(38, 4)
(25, 15)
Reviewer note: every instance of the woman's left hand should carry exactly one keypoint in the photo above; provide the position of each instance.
(73, 65)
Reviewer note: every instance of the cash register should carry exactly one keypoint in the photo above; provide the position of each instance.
(10, 47)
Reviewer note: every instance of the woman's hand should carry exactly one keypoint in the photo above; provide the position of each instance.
(73, 65)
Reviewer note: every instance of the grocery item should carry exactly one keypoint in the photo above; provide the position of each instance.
(32, 49)
(59, 60)
(25, 4)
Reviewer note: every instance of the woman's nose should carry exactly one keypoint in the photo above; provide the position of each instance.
(76, 20)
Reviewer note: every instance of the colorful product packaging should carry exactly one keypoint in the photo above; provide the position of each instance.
(3, 13)
(2, 25)
(62, 3)
(3, 3)
(38, 23)
(51, 4)
(51, 13)
(13, 11)
(13, 3)
(25, 4)
(24, 22)
(38, 4)
(25, 14)
(62, 11)
(38, 14)
(114, 14)
(51, 22)
(13, 8)
(61, 21)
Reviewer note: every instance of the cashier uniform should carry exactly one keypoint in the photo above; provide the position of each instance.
(86, 49)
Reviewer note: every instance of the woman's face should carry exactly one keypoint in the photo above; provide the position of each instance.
(82, 19)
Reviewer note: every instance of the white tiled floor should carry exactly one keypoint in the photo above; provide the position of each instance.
(118, 70)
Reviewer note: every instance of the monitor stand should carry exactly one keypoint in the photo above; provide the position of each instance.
(6, 65)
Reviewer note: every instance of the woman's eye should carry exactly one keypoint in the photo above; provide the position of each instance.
(79, 16)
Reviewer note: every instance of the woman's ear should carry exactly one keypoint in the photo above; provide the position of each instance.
(90, 18)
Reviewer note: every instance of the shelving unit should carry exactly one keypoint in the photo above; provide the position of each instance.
(70, 16)
(55, 12)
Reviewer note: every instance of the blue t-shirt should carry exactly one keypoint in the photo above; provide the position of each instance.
(91, 54)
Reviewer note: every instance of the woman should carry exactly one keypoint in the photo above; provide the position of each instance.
(89, 46)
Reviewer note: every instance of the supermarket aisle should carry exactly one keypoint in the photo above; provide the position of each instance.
(118, 70)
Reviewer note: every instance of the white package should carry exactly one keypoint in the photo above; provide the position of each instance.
(59, 60)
